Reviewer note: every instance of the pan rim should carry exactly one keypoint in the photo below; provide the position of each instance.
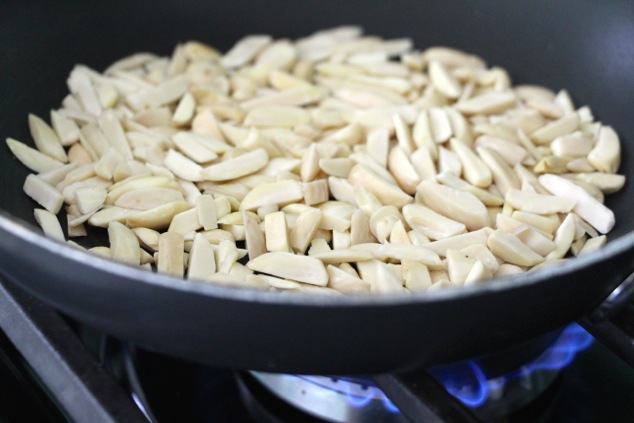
(26, 232)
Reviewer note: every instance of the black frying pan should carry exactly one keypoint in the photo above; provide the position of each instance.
(584, 46)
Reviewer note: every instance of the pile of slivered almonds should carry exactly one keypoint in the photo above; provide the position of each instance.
(336, 163)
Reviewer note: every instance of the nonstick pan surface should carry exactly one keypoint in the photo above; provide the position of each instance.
(583, 46)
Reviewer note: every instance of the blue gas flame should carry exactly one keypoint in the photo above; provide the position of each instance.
(467, 381)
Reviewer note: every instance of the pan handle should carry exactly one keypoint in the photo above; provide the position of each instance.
(612, 322)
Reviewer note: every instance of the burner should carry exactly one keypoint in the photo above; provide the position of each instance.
(358, 399)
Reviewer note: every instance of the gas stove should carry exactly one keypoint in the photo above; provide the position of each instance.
(64, 371)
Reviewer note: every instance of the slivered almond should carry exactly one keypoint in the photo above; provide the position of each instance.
(562, 126)
(474, 170)
(46, 140)
(488, 198)
(245, 50)
(31, 158)
(401, 252)
(403, 171)
(185, 222)
(182, 167)
(458, 205)
(343, 256)
(588, 208)
(170, 254)
(90, 199)
(458, 266)
(377, 145)
(386, 281)
(272, 193)
(443, 80)
(242, 165)
(441, 129)
(276, 116)
(608, 183)
(202, 264)
(606, 154)
(276, 232)
(449, 162)
(593, 244)
(403, 134)
(167, 92)
(535, 240)
(227, 256)
(44, 194)
(49, 224)
(339, 167)
(386, 192)
(207, 213)
(460, 242)
(510, 249)
(287, 265)
(148, 198)
(488, 103)
(430, 223)
(157, 217)
(310, 164)
(481, 253)
(398, 235)
(571, 145)
(511, 152)
(194, 149)
(113, 131)
(65, 128)
(539, 203)
(542, 223)
(344, 282)
(478, 272)
(503, 176)
(563, 238)
(124, 245)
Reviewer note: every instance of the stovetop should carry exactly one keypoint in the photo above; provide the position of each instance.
(596, 387)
